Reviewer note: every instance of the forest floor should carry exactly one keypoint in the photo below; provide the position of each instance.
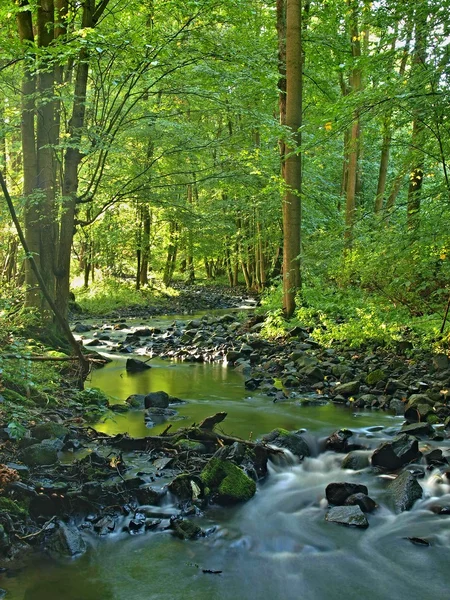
(59, 477)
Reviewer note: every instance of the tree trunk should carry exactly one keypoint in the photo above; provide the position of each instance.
(293, 164)
(354, 140)
(31, 212)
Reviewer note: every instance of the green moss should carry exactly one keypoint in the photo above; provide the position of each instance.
(228, 481)
(92, 396)
(375, 376)
(12, 508)
(190, 445)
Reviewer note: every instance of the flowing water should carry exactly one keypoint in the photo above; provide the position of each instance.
(278, 545)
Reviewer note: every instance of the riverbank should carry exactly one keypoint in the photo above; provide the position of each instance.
(51, 502)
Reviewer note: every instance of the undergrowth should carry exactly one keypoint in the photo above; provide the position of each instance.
(108, 295)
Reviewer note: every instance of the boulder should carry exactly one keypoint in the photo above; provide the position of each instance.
(290, 440)
(356, 460)
(365, 503)
(441, 362)
(418, 429)
(133, 365)
(312, 374)
(404, 491)
(48, 430)
(338, 441)
(351, 516)
(156, 400)
(186, 529)
(67, 541)
(393, 455)
(347, 389)
(337, 493)
(39, 454)
(226, 482)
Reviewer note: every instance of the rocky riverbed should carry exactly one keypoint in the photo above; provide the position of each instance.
(64, 479)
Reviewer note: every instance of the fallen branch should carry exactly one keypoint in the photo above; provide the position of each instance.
(30, 535)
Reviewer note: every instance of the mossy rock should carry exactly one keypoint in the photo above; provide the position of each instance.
(17, 398)
(228, 482)
(191, 445)
(12, 507)
(186, 529)
(45, 431)
(375, 376)
(39, 454)
(186, 486)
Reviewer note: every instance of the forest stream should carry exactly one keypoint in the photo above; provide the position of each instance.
(277, 545)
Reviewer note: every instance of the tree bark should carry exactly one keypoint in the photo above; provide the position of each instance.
(293, 164)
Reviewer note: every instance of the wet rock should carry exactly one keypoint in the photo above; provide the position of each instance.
(290, 440)
(418, 412)
(232, 356)
(351, 516)
(67, 542)
(105, 525)
(39, 454)
(338, 441)
(252, 383)
(49, 430)
(227, 482)
(133, 365)
(347, 389)
(81, 328)
(187, 487)
(365, 503)
(356, 460)
(418, 429)
(156, 400)
(393, 455)
(337, 493)
(435, 457)
(145, 332)
(186, 529)
(146, 494)
(405, 490)
(398, 406)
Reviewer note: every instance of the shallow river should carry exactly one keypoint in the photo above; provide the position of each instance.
(278, 545)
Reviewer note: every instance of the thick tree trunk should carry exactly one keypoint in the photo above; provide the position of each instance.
(293, 164)
(72, 160)
(46, 141)
(31, 212)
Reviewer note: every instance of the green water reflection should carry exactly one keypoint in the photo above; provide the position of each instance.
(209, 388)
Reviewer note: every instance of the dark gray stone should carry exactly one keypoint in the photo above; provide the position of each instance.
(418, 429)
(365, 503)
(156, 400)
(133, 365)
(356, 460)
(351, 516)
(405, 490)
(67, 542)
(347, 389)
(393, 455)
(337, 493)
